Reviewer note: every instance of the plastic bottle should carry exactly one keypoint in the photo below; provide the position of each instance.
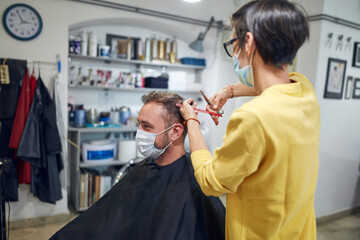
(84, 44)
(92, 44)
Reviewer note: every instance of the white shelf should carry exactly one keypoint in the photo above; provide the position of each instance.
(131, 89)
(113, 163)
(102, 129)
(134, 62)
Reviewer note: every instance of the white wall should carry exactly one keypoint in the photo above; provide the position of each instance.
(339, 178)
(338, 186)
(346, 9)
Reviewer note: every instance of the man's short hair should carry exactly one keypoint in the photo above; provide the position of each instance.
(278, 26)
(168, 100)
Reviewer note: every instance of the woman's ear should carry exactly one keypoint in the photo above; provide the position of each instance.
(178, 130)
(249, 43)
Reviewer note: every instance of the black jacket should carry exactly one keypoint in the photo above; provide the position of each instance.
(9, 94)
(40, 145)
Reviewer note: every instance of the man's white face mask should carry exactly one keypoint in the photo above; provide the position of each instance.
(145, 142)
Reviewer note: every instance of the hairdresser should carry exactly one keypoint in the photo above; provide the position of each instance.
(267, 164)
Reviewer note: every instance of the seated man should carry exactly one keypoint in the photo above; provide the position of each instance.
(159, 198)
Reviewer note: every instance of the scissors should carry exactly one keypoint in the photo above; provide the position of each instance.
(203, 111)
(220, 111)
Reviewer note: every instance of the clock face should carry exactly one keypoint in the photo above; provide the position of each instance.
(22, 22)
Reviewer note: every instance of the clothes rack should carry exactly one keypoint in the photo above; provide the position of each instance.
(3, 166)
(58, 62)
(40, 62)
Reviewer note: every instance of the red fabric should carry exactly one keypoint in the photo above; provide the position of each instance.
(22, 112)
(33, 85)
(24, 172)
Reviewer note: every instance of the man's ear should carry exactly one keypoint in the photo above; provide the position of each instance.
(177, 130)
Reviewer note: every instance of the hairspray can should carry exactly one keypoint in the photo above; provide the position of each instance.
(140, 49)
(154, 47)
(161, 52)
(174, 46)
(128, 49)
(167, 49)
(147, 50)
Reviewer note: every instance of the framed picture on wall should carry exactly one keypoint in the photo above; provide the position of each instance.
(335, 78)
(348, 89)
(356, 55)
(356, 90)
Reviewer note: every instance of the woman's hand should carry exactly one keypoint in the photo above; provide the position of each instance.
(187, 109)
(218, 101)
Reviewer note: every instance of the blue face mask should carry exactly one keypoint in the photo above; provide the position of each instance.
(245, 74)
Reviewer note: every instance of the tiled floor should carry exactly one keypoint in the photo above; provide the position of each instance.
(346, 228)
(39, 233)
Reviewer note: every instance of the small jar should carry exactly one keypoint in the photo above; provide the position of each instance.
(71, 44)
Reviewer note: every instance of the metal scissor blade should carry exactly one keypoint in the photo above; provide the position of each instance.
(206, 99)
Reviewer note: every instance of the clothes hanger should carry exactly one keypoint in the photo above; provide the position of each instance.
(39, 70)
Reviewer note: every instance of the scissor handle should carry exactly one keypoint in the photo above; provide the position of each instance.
(220, 111)
(210, 104)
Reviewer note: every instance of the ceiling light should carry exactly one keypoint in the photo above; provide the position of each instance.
(192, 1)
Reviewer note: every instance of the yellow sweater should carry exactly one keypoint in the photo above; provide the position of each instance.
(267, 165)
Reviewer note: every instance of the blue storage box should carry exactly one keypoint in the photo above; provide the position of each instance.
(194, 61)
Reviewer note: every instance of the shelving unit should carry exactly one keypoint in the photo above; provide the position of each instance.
(144, 90)
(119, 96)
(77, 135)
(137, 64)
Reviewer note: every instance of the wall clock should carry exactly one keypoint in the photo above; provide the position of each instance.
(22, 22)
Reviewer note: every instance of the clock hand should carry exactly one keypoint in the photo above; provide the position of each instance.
(22, 21)
(26, 20)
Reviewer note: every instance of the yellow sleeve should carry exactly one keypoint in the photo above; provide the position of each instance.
(238, 157)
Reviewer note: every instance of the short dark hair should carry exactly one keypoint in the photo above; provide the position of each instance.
(278, 26)
(168, 100)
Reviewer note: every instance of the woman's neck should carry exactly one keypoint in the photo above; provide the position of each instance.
(266, 75)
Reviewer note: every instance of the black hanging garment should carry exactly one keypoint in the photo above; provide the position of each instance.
(40, 145)
(152, 202)
(9, 94)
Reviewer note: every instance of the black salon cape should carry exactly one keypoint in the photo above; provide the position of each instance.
(152, 202)
(40, 146)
